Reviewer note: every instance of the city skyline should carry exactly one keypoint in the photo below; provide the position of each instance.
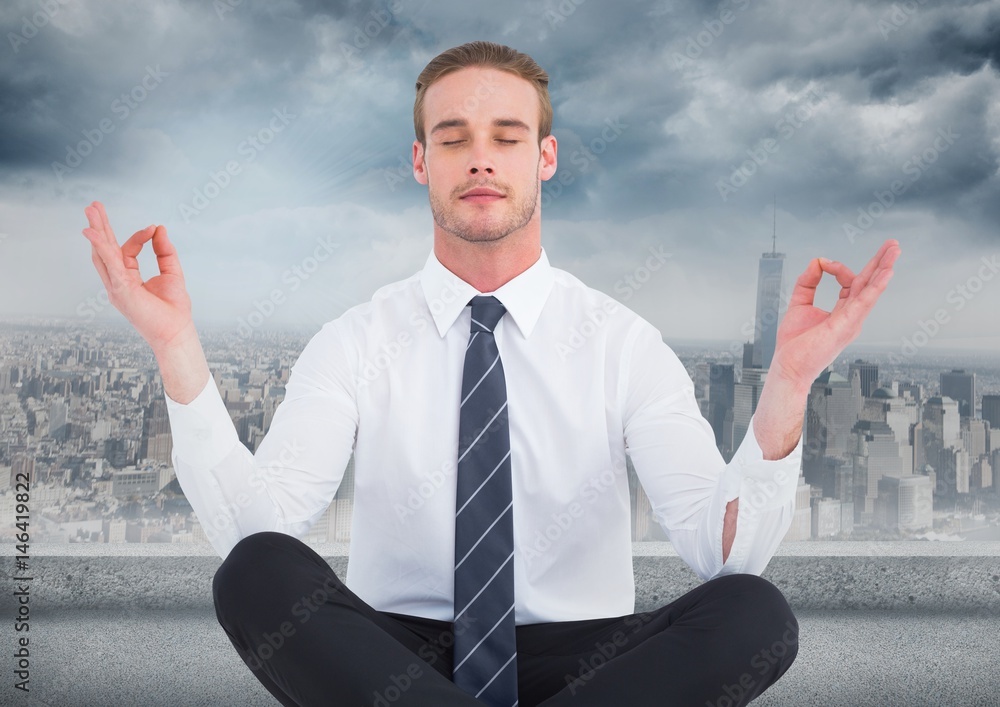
(68, 370)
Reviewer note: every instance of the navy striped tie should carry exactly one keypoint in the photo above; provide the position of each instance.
(485, 648)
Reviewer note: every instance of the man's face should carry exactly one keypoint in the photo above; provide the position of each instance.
(481, 128)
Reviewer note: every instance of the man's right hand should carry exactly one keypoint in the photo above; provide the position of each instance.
(159, 309)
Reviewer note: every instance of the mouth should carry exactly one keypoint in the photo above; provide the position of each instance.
(481, 195)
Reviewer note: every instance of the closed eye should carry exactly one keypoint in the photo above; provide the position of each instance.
(506, 142)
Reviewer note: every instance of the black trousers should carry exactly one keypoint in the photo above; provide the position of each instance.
(311, 641)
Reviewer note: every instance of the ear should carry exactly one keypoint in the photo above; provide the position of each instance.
(419, 165)
(547, 158)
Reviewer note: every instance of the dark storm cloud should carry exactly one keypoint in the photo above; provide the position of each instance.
(659, 104)
(218, 59)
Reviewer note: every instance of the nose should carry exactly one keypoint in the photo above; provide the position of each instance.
(480, 161)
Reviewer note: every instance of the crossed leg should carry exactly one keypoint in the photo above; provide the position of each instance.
(311, 641)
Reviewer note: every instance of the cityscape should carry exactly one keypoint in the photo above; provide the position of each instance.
(896, 445)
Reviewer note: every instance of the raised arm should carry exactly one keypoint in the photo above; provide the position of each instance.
(289, 481)
(808, 340)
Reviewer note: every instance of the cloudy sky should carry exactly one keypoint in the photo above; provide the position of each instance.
(677, 124)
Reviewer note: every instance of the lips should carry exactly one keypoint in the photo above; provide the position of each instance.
(483, 193)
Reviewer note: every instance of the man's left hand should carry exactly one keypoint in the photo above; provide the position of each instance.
(809, 338)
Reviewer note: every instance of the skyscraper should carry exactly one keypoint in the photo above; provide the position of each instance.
(961, 386)
(720, 397)
(832, 409)
(904, 502)
(746, 393)
(770, 305)
(869, 375)
(991, 410)
(876, 454)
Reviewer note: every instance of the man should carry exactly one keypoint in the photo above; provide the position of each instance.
(491, 557)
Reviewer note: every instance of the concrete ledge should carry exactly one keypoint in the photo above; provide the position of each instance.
(959, 577)
(96, 610)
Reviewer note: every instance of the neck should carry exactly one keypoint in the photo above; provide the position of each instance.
(487, 265)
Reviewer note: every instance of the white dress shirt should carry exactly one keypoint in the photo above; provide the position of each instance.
(588, 380)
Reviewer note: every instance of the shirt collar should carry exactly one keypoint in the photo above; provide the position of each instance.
(523, 296)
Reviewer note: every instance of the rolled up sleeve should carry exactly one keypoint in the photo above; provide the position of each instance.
(673, 450)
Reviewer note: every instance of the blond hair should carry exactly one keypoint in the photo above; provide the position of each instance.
(491, 55)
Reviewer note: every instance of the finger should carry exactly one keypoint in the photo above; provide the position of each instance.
(845, 278)
(862, 301)
(804, 291)
(132, 247)
(99, 224)
(94, 219)
(104, 220)
(166, 254)
(880, 275)
(102, 270)
(110, 255)
(875, 264)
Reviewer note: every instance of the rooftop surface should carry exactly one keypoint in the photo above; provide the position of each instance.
(880, 624)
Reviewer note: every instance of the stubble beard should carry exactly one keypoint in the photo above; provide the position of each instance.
(475, 230)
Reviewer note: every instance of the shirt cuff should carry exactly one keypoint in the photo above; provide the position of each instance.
(203, 432)
(761, 484)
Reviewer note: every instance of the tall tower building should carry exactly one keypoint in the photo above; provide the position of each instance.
(876, 454)
(770, 305)
(746, 393)
(801, 527)
(869, 375)
(57, 419)
(905, 502)
(991, 410)
(961, 386)
(721, 388)
(342, 517)
(832, 409)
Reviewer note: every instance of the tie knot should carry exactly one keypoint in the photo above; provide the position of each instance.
(486, 312)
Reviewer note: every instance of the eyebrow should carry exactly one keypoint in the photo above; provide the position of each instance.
(499, 123)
